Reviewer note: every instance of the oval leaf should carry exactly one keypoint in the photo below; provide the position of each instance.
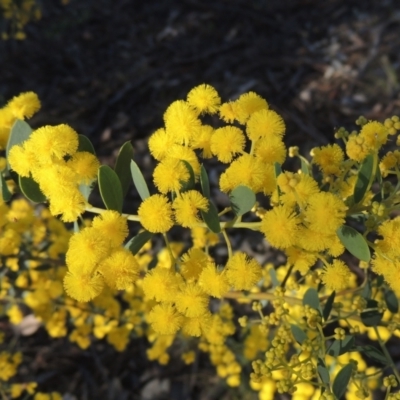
(242, 200)
(211, 218)
(31, 190)
(189, 185)
(110, 188)
(373, 353)
(371, 315)
(364, 178)
(139, 181)
(323, 371)
(339, 347)
(4, 191)
(20, 132)
(84, 144)
(298, 334)
(122, 166)
(354, 242)
(328, 306)
(137, 242)
(391, 301)
(311, 298)
(205, 184)
(342, 380)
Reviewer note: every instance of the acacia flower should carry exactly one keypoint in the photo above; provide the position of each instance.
(160, 143)
(155, 214)
(247, 104)
(280, 226)
(196, 326)
(120, 269)
(83, 286)
(270, 150)
(85, 165)
(187, 207)
(169, 175)
(336, 276)
(191, 300)
(265, 123)
(164, 319)
(242, 272)
(24, 105)
(204, 98)
(202, 140)
(161, 284)
(192, 263)
(112, 225)
(329, 158)
(213, 282)
(226, 142)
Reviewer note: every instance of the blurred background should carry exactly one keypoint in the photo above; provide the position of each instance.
(111, 68)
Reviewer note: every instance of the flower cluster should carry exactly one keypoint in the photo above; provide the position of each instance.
(335, 219)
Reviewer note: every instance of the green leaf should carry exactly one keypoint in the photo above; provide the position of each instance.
(354, 242)
(366, 290)
(85, 190)
(304, 167)
(84, 144)
(371, 316)
(110, 188)
(342, 380)
(363, 178)
(205, 184)
(373, 353)
(31, 190)
(391, 301)
(211, 218)
(20, 132)
(139, 181)
(189, 185)
(242, 200)
(122, 166)
(311, 298)
(339, 347)
(298, 334)
(5, 193)
(274, 277)
(323, 371)
(328, 306)
(138, 241)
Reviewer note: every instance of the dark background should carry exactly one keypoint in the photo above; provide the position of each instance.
(111, 68)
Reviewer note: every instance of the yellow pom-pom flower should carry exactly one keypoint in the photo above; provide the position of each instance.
(120, 270)
(242, 272)
(226, 142)
(336, 276)
(270, 150)
(247, 104)
(187, 206)
(24, 105)
(328, 158)
(160, 144)
(85, 165)
(203, 140)
(156, 214)
(191, 300)
(22, 159)
(265, 123)
(161, 284)
(280, 226)
(213, 282)
(164, 319)
(192, 263)
(112, 225)
(204, 99)
(181, 122)
(169, 175)
(83, 286)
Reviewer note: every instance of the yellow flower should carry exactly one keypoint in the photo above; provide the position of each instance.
(160, 144)
(24, 105)
(191, 300)
(265, 123)
(156, 214)
(300, 259)
(280, 226)
(325, 213)
(192, 263)
(169, 175)
(336, 276)
(22, 159)
(181, 122)
(119, 337)
(247, 104)
(161, 284)
(112, 225)
(374, 134)
(226, 142)
(187, 206)
(164, 319)
(329, 158)
(270, 150)
(83, 287)
(120, 270)
(242, 272)
(213, 282)
(15, 314)
(204, 98)
(197, 325)
(203, 140)
(85, 166)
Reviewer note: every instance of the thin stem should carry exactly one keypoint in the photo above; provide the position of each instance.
(288, 273)
(228, 243)
(387, 355)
